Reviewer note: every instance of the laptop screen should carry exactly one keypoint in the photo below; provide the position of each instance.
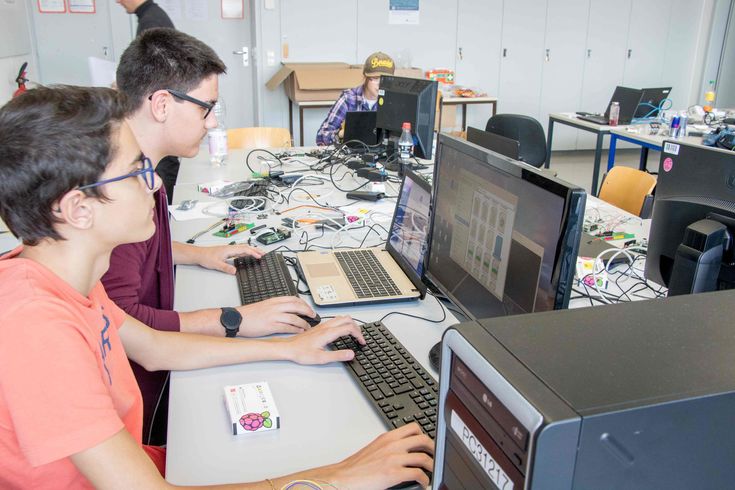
(408, 239)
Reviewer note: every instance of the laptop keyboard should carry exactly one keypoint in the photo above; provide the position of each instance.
(366, 274)
(264, 278)
(400, 390)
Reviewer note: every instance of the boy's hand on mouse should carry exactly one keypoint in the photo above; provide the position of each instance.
(274, 315)
(310, 347)
(401, 455)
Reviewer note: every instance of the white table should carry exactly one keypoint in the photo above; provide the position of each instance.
(571, 119)
(638, 134)
(325, 416)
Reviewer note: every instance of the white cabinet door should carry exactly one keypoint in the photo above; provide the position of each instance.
(686, 47)
(604, 61)
(561, 88)
(522, 55)
(644, 57)
(478, 52)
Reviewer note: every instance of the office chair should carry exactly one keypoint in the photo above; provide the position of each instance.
(526, 130)
(258, 138)
(629, 189)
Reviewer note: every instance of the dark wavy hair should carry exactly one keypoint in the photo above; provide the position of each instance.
(53, 139)
(164, 58)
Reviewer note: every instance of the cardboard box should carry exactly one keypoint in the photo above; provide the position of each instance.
(323, 81)
(315, 81)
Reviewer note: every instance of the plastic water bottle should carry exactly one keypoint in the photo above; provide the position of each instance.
(614, 114)
(405, 143)
(217, 137)
(709, 97)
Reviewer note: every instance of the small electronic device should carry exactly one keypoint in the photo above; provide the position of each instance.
(365, 195)
(270, 237)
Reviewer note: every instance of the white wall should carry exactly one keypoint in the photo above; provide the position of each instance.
(726, 82)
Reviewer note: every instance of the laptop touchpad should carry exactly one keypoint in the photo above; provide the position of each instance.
(326, 269)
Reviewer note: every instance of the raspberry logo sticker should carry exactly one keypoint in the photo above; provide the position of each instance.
(668, 164)
(254, 421)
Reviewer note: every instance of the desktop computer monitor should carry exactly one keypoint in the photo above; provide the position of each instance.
(690, 248)
(499, 144)
(410, 100)
(505, 236)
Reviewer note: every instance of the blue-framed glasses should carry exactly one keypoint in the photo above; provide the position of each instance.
(146, 173)
(181, 95)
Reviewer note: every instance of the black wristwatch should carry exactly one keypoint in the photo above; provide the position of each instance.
(231, 320)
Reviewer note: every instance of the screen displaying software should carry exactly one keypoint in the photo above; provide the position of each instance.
(409, 234)
(495, 237)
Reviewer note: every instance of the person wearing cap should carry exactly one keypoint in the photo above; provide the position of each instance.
(362, 98)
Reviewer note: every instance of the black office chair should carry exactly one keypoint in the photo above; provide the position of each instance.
(526, 130)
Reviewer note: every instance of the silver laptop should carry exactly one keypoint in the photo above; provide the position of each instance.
(376, 275)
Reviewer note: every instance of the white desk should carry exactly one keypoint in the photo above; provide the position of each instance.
(325, 416)
(636, 134)
(571, 119)
(465, 101)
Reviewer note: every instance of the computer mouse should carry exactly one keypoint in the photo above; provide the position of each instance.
(435, 356)
(313, 322)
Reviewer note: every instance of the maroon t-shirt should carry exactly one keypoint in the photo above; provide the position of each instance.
(140, 280)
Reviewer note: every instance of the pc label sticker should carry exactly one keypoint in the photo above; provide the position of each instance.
(490, 467)
(672, 148)
(668, 164)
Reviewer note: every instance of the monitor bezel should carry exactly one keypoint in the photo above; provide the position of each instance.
(571, 226)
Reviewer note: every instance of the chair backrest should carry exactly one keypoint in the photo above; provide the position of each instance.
(258, 138)
(526, 130)
(628, 189)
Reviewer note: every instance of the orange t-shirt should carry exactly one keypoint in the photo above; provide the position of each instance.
(65, 381)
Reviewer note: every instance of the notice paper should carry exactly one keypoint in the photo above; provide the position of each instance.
(403, 12)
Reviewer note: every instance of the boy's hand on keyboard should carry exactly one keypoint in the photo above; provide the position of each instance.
(274, 315)
(215, 258)
(398, 456)
(310, 347)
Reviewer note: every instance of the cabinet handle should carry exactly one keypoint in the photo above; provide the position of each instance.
(460, 54)
(630, 51)
(548, 55)
(589, 53)
(505, 52)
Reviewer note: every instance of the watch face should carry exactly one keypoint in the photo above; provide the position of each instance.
(231, 318)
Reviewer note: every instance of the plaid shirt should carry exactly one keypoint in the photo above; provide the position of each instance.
(350, 100)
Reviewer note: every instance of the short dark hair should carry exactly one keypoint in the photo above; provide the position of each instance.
(164, 58)
(52, 140)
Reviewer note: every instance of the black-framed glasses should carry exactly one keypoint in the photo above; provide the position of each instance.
(147, 173)
(181, 95)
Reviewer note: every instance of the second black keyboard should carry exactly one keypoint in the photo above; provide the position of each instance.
(264, 278)
(393, 380)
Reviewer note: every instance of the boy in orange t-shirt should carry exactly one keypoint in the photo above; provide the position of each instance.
(73, 186)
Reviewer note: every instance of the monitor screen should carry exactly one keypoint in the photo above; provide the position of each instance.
(410, 100)
(695, 182)
(499, 144)
(505, 236)
(409, 234)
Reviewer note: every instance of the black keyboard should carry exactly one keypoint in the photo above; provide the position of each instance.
(398, 387)
(366, 274)
(263, 278)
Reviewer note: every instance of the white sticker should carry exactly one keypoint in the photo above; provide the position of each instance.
(381, 92)
(491, 467)
(327, 292)
(672, 148)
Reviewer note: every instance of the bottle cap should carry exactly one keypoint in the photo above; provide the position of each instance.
(407, 125)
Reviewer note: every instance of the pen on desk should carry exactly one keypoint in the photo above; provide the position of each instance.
(209, 228)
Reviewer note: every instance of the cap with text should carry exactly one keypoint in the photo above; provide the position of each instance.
(378, 64)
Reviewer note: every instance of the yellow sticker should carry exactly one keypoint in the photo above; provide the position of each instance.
(380, 101)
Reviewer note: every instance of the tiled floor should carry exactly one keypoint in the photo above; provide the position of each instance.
(576, 166)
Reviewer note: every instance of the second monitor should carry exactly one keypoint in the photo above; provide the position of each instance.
(410, 100)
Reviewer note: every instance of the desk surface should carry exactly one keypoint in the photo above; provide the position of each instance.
(572, 119)
(200, 447)
(634, 131)
(449, 100)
